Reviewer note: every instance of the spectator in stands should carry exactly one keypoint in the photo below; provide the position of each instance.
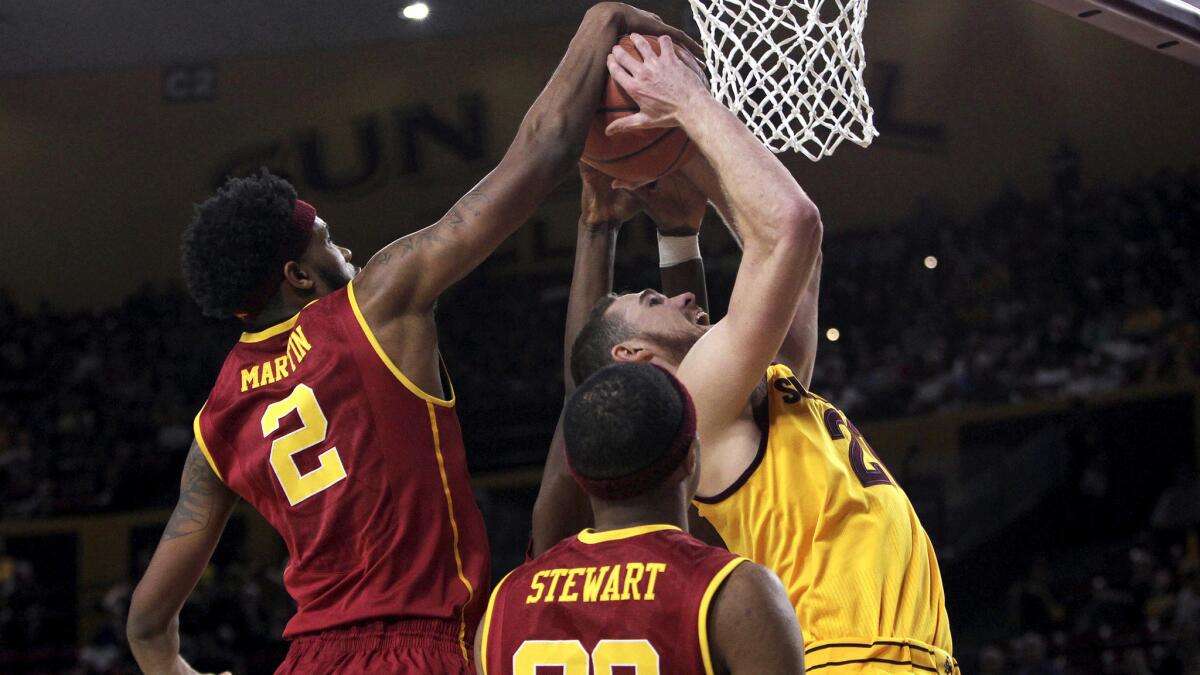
(1033, 606)
(1178, 508)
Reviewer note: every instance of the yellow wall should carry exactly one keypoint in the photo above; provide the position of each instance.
(97, 174)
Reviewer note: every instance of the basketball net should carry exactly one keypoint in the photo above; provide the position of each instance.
(790, 69)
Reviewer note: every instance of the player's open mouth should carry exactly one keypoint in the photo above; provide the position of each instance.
(702, 319)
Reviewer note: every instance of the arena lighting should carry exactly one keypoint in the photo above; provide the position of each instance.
(930, 262)
(833, 334)
(416, 11)
(1184, 6)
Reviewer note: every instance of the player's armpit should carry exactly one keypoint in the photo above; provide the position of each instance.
(725, 365)
(183, 552)
(799, 349)
(752, 625)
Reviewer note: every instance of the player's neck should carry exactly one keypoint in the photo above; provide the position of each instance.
(278, 311)
(611, 515)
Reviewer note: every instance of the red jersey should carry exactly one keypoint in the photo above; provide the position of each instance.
(632, 597)
(362, 473)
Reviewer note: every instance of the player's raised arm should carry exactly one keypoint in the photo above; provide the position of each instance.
(799, 348)
(408, 275)
(752, 626)
(677, 207)
(562, 509)
(183, 552)
(780, 228)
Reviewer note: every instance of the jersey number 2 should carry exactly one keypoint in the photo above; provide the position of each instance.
(573, 659)
(313, 429)
(869, 473)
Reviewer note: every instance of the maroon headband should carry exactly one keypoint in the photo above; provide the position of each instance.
(634, 484)
(304, 216)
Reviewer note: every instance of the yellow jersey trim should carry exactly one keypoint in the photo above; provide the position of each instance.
(486, 625)
(590, 536)
(437, 449)
(278, 328)
(702, 622)
(387, 361)
(204, 446)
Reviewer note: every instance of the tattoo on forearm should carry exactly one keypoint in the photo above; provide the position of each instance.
(196, 490)
(468, 207)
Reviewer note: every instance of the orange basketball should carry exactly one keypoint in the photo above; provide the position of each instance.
(638, 156)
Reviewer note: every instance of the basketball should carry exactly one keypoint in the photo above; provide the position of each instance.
(637, 156)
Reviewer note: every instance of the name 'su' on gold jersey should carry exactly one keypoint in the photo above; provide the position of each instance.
(819, 508)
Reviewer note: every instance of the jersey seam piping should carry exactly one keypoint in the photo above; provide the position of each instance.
(705, 602)
(391, 365)
(204, 446)
(437, 449)
(486, 625)
(745, 477)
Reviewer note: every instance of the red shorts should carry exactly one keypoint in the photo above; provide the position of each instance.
(381, 648)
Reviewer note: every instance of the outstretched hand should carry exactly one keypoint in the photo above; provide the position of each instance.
(663, 84)
(675, 204)
(634, 20)
(603, 206)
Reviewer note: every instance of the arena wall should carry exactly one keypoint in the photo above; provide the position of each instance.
(98, 171)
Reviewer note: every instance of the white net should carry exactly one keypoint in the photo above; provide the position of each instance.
(790, 69)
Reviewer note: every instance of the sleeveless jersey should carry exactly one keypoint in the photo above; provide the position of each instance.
(362, 473)
(819, 508)
(632, 597)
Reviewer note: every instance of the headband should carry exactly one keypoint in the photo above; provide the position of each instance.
(649, 476)
(291, 247)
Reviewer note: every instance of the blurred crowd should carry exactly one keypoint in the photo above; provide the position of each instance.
(1111, 607)
(96, 406)
(1088, 289)
(232, 621)
(1091, 289)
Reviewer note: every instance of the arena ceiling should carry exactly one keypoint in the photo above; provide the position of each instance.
(47, 36)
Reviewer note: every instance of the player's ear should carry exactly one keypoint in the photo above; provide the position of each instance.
(297, 276)
(692, 461)
(691, 464)
(628, 352)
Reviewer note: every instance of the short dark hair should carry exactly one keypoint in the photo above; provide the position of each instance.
(620, 421)
(231, 247)
(593, 346)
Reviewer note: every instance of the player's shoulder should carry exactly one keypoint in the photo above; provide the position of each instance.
(750, 591)
(550, 556)
(691, 546)
(272, 354)
(782, 382)
(753, 581)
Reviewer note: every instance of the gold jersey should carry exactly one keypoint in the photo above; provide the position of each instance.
(819, 508)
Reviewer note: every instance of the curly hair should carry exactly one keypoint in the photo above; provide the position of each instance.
(231, 247)
(592, 349)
